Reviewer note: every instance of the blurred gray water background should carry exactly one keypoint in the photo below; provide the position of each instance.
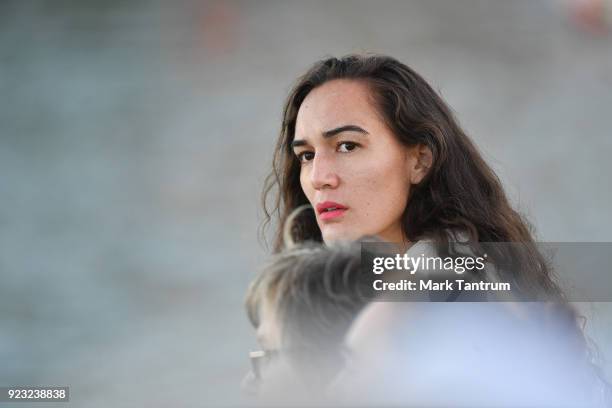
(135, 136)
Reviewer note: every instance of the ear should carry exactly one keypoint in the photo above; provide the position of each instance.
(419, 161)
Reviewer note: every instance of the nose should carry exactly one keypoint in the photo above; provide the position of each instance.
(324, 173)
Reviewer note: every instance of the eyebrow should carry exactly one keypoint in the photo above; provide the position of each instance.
(333, 132)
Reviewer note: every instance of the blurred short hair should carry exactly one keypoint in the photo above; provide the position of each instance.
(316, 290)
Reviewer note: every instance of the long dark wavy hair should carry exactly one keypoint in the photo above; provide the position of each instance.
(460, 192)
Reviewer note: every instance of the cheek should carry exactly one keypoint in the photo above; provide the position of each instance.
(380, 192)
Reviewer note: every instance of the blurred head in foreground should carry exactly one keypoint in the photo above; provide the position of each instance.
(324, 342)
(302, 305)
(468, 354)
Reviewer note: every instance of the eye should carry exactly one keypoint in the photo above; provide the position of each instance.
(346, 147)
(304, 157)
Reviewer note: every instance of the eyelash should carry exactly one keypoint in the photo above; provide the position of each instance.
(301, 155)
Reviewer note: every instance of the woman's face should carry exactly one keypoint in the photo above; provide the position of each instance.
(354, 171)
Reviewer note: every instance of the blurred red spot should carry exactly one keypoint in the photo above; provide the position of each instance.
(591, 15)
(219, 26)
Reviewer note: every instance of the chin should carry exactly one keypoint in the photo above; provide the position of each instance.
(339, 235)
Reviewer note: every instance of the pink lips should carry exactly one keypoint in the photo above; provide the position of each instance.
(328, 210)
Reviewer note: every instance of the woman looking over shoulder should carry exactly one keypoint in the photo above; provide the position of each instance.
(375, 151)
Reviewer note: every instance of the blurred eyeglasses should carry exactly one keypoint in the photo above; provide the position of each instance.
(260, 359)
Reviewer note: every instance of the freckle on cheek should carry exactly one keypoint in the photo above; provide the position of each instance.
(366, 209)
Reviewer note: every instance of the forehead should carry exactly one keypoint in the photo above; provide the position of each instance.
(335, 103)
